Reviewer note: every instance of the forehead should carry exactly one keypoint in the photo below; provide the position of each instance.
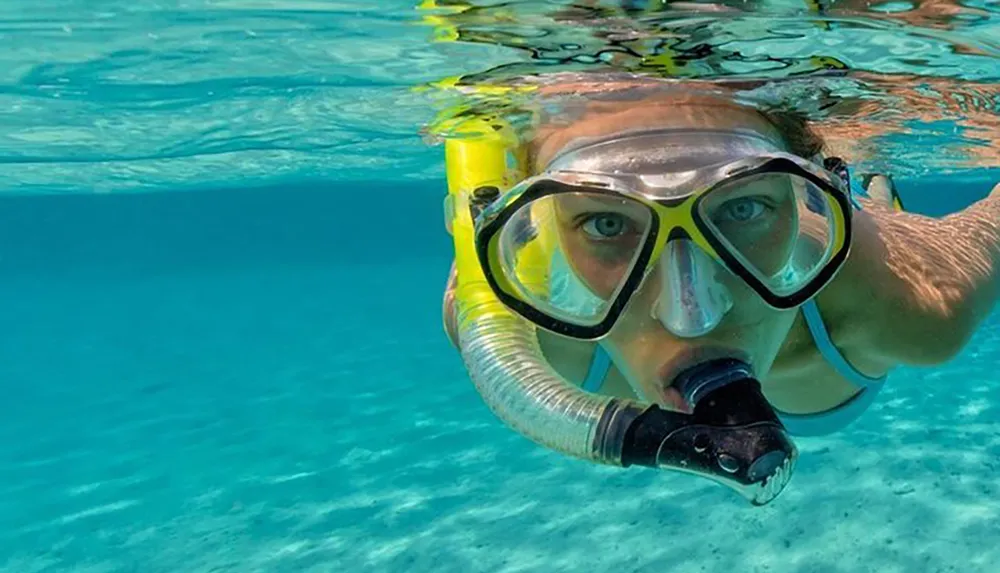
(584, 201)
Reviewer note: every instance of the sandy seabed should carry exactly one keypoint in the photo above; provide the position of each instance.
(315, 419)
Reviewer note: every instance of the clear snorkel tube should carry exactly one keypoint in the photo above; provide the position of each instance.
(733, 436)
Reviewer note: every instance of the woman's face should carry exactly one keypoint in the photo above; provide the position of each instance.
(600, 236)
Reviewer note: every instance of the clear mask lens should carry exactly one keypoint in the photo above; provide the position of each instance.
(780, 227)
(570, 254)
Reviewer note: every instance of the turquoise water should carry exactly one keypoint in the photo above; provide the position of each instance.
(211, 381)
(221, 260)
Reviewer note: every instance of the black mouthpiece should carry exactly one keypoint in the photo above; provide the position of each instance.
(733, 436)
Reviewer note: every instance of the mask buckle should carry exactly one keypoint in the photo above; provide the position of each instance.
(838, 167)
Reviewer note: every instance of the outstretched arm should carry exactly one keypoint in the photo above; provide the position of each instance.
(975, 252)
(927, 282)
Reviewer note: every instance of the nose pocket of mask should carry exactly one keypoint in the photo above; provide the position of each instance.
(692, 300)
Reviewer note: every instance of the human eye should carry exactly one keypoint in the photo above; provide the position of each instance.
(605, 226)
(742, 210)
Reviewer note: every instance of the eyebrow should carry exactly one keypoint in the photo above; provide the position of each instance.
(584, 203)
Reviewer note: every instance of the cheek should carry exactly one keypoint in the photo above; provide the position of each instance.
(769, 337)
(601, 272)
(637, 327)
(770, 250)
(754, 326)
(639, 346)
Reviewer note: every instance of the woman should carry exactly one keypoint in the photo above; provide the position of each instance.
(753, 270)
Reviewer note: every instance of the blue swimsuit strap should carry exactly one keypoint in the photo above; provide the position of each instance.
(838, 417)
(826, 347)
(600, 364)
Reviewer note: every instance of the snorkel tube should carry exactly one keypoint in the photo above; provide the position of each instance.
(733, 436)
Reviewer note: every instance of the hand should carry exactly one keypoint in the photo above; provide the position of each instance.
(882, 189)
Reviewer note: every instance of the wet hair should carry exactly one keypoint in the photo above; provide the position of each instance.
(796, 130)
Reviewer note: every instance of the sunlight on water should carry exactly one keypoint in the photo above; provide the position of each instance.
(120, 96)
(903, 87)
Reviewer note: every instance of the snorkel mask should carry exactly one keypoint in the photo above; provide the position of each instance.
(642, 207)
(604, 218)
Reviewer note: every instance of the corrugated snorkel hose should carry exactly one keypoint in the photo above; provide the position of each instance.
(504, 360)
(500, 349)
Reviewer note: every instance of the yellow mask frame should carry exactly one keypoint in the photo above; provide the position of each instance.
(673, 217)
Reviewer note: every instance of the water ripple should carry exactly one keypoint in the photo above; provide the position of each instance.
(122, 96)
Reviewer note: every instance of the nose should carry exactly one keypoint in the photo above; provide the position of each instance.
(692, 300)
